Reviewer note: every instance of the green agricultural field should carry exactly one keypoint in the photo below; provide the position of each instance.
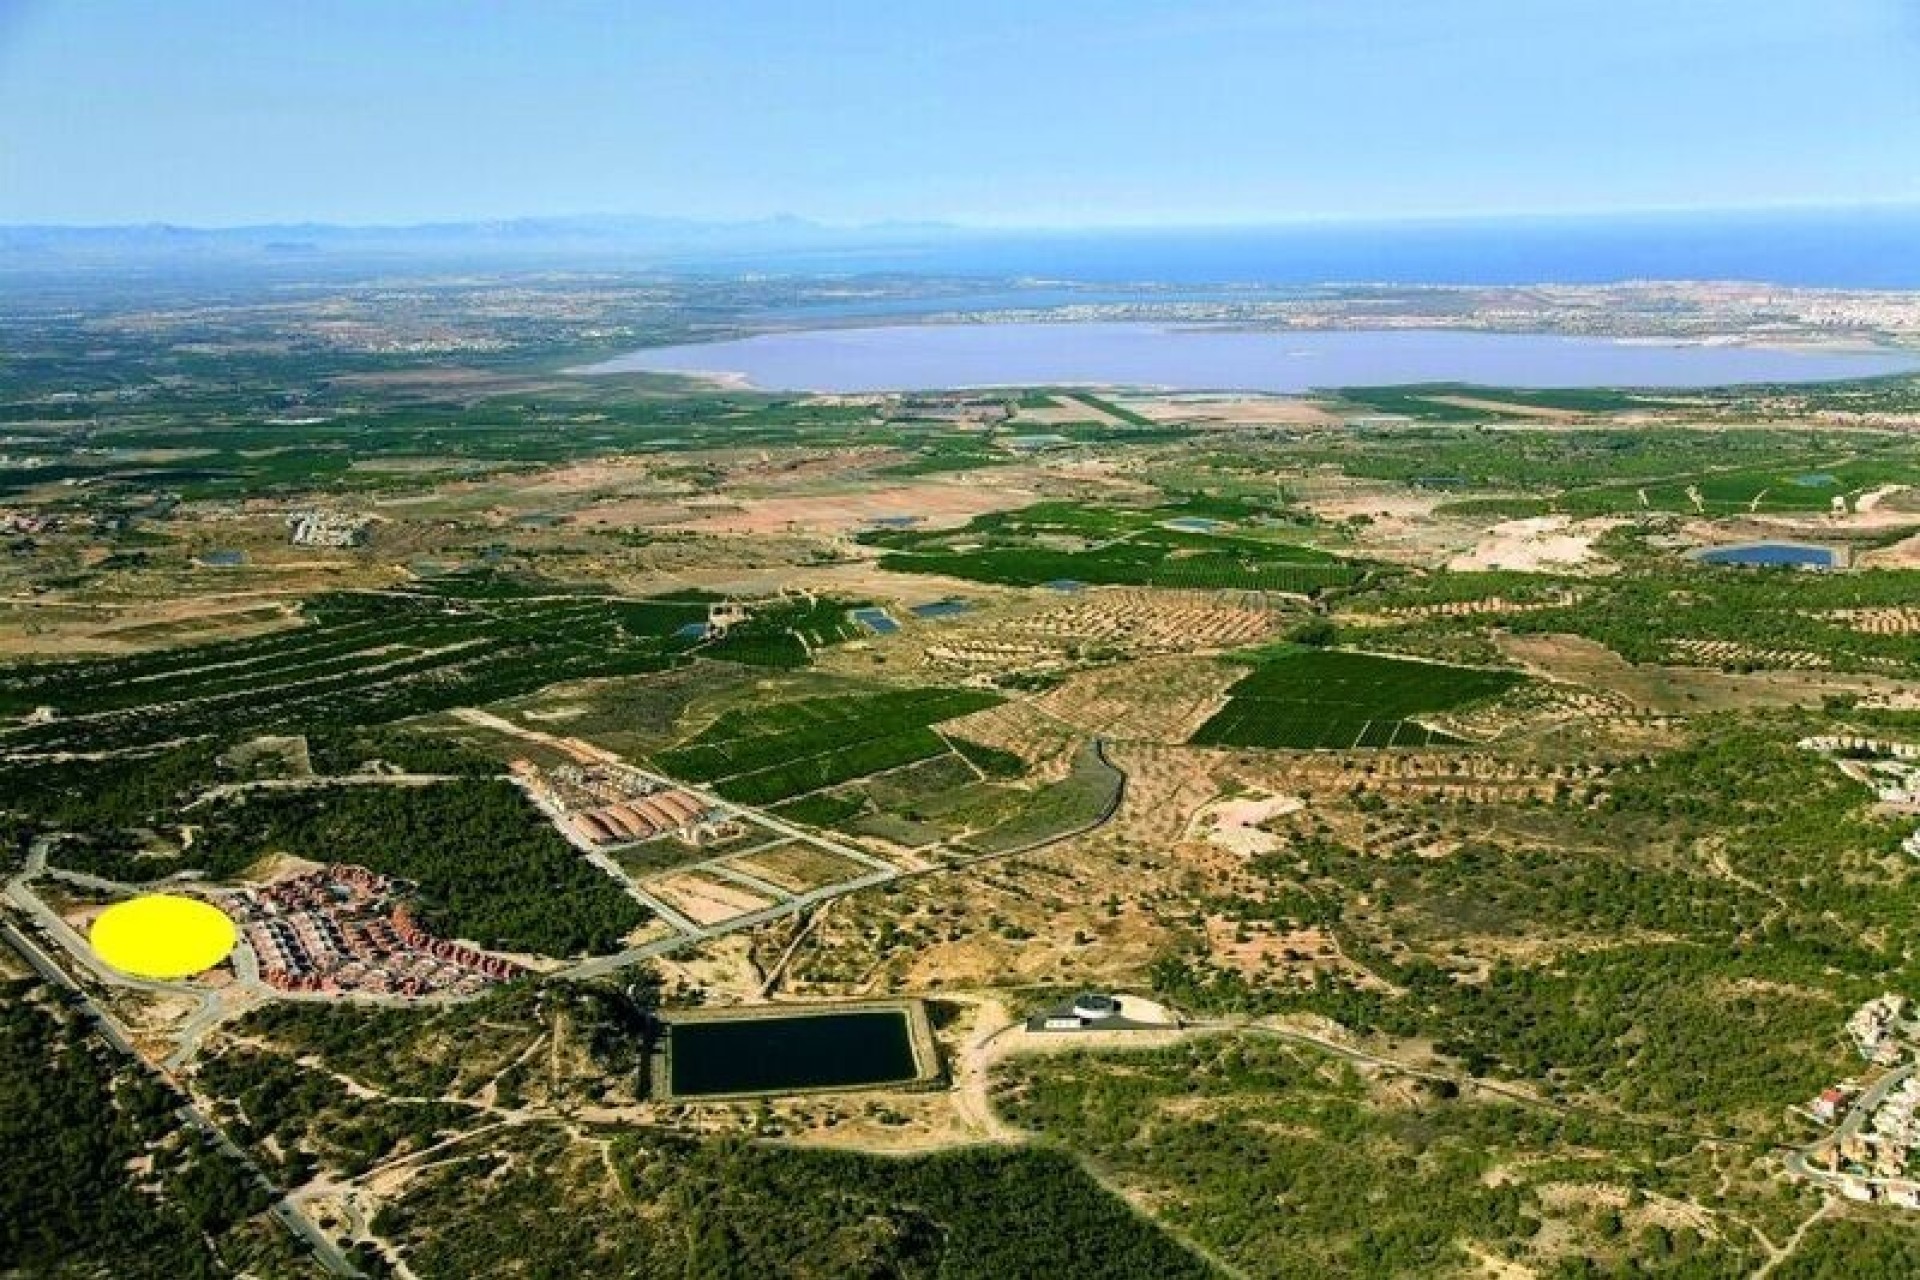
(1807, 486)
(1602, 469)
(1308, 699)
(1089, 793)
(1139, 563)
(368, 658)
(761, 755)
(1246, 549)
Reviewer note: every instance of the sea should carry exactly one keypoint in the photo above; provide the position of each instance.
(1854, 248)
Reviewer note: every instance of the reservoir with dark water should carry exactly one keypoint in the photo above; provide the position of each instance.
(779, 1054)
(1772, 555)
(915, 357)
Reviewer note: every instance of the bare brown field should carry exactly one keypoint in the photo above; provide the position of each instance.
(797, 867)
(940, 504)
(1505, 407)
(1904, 554)
(1393, 524)
(1538, 543)
(1166, 787)
(1156, 699)
(1231, 410)
(37, 626)
(1891, 621)
(704, 899)
(1670, 690)
(1041, 740)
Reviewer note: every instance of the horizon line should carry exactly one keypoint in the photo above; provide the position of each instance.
(964, 225)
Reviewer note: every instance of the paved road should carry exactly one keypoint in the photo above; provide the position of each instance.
(19, 890)
(225, 789)
(600, 966)
(289, 1215)
(746, 880)
(1855, 1119)
(884, 873)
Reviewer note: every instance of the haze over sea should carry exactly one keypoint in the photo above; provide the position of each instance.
(1876, 248)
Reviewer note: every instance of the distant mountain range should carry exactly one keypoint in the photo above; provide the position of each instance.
(517, 237)
(1858, 248)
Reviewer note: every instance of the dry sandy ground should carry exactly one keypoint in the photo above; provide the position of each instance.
(1401, 525)
(1683, 690)
(1904, 554)
(1235, 824)
(1873, 498)
(1156, 700)
(1543, 412)
(1382, 504)
(1231, 410)
(1166, 786)
(723, 967)
(707, 901)
(1539, 543)
(30, 625)
(850, 579)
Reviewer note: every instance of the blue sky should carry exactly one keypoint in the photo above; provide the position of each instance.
(1008, 112)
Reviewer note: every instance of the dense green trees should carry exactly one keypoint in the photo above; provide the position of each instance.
(1288, 1163)
(77, 1132)
(1869, 1247)
(487, 865)
(729, 1208)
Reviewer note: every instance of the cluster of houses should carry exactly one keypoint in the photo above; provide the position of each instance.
(1891, 769)
(1870, 1155)
(602, 805)
(326, 529)
(27, 523)
(1879, 1029)
(342, 931)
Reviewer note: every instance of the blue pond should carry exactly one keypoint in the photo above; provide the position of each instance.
(1772, 554)
(876, 620)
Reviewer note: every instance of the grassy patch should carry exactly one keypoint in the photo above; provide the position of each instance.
(762, 754)
(1330, 698)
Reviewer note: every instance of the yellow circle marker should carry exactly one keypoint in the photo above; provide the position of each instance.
(162, 935)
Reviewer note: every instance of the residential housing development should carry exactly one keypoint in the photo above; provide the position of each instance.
(327, 529)
(343, 930)
(1869, 1154)
(601, 804)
